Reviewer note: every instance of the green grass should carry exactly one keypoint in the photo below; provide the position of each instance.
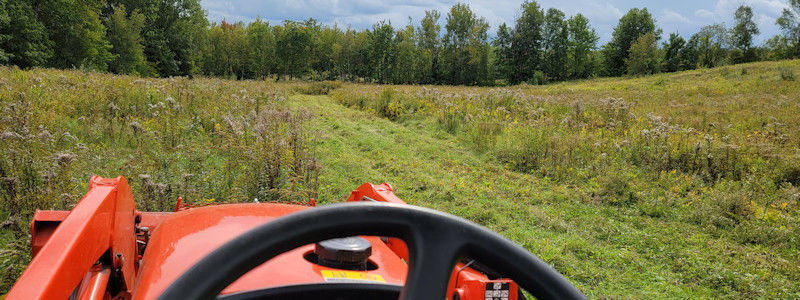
(607, 251)
(565, 170)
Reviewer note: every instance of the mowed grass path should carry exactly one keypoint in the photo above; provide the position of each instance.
(607, 251)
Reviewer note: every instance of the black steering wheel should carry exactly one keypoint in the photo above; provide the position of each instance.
(435, 240)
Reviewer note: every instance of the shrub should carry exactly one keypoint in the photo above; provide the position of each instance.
(523, 149)
(388, 105)
(614, 188)
(787, 74)
(318, 88)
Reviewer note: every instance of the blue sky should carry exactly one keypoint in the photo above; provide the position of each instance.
(682, 16)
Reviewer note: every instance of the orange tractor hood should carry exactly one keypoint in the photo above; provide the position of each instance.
(185, 237)
(106, 249)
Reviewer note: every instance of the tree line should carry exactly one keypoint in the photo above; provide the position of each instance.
(175, 38)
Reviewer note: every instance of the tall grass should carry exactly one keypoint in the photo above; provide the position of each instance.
(204, 140)
(626, 142)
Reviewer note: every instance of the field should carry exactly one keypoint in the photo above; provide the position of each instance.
(676, 185)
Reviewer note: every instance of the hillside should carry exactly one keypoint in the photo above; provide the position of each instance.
(675, 185)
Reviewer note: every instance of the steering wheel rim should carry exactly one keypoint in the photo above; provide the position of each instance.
(435, 241)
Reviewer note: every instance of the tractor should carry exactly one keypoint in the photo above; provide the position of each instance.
(374, 246)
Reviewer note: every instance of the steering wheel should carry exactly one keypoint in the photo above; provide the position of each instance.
(435, 240)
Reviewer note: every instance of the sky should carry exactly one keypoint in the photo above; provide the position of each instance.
(684, 17)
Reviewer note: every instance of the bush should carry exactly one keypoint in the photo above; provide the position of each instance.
(388, 105)
(614, 188)
(787, 74)
(523, 149)
(318, 88)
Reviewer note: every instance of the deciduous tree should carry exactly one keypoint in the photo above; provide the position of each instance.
(635, 23)
(582, 42)
(526, 43)
(643, 56)
(789, 22)
(672, 52)
(742, 34)
(126, 42)
(555, 44)
(23, 39)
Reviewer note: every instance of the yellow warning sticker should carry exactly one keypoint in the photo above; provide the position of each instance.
(340, 276)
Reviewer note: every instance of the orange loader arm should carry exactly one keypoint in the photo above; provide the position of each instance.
(92, 252)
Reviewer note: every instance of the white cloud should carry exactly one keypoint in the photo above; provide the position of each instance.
(684, 16)
(669, 16)
(704, 13)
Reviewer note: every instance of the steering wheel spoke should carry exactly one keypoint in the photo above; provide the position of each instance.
(433, 254)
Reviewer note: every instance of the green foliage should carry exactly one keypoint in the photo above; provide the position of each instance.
(4, 20)
(173, 38)
(407, 56)
(23, 39)
(555, 44)
(124, 34)
(228, 51)
(382, 52)
(777, 48)
(634, 24)
(673, 48)
(742, 34)
(388, 105)
(787, 74)
(429, 45)
(789, 22)
(261, 43)
(643, 56)
(295, 42)
(503, 55)
(465, 57)
(317, 88)
(527, 43)
(76, 29)
(582, 42)
(711, 45)
(173, 35)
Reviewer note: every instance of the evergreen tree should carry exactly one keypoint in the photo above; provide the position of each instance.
(582, 42)
(635, 23)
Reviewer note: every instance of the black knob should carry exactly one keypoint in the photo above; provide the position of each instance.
(350, 252)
